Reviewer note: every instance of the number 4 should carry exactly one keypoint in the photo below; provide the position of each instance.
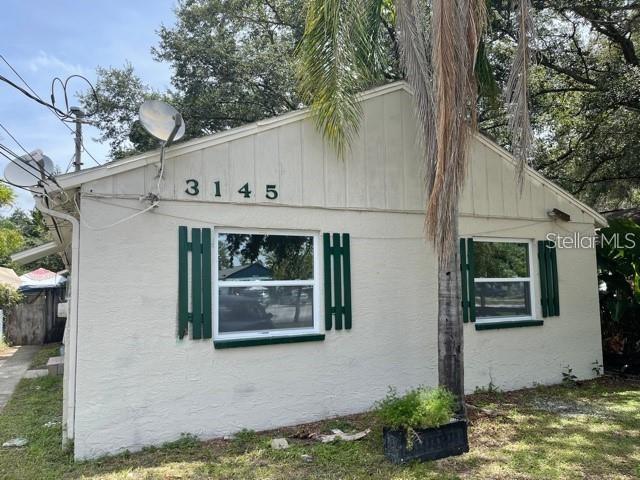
(245, 191)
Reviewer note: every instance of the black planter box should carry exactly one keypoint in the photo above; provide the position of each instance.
(430, 444)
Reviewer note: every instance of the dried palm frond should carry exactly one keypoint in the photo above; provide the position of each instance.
(415, 56)
(517, 92)
(457, 26)
(338, 57)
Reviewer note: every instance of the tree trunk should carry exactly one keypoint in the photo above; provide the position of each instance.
(450, 332)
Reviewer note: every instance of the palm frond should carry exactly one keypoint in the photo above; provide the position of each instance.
(412, 22)
(457, 27)
(517, 92)
(337, 57)
(487, 86)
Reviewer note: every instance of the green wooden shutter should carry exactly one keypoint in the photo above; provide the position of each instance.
(200, 316)
(472, 276)
(463, 280)
(554, 265)
(548, 265)
(337, 281)
(467, 275)
(183, 282)
(542, 265)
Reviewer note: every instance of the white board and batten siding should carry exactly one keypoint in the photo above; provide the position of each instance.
(137, 384)
(381, 171)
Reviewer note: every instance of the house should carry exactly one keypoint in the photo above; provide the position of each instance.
(35, 320)
(161, 341)
(255, 271)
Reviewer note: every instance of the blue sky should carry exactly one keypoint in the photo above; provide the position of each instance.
(44, 39)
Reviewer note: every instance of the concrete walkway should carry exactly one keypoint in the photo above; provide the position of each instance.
(13, 368)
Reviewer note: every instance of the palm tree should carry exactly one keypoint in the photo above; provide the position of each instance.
(439, 42)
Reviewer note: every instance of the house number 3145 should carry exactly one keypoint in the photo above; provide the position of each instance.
(193, 189)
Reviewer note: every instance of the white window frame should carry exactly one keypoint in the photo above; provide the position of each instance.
(217, 284)
(529, 279)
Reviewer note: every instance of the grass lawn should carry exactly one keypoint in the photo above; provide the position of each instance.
(43, 355)
(591, 431)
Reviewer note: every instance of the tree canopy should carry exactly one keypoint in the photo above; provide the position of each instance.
(233, 63)
(10, 238)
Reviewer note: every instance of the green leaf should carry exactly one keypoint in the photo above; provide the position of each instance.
(339, 55)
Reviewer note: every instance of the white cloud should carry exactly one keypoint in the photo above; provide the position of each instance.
(53, 65)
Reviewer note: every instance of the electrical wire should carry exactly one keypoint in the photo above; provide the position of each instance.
(4, 149)
(51, 108)
(4, 182)
(49, 174)
(111, 225)
(64, 85)
(73, 157)
(32, 97)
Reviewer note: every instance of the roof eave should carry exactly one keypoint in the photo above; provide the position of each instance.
(36, 253)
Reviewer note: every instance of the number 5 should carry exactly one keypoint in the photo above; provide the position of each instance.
(272, 193)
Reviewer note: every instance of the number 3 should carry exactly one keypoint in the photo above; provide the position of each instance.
(192, 187)
(272, 193)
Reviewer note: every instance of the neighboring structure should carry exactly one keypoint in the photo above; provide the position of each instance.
(346, 302)
(35, 321)
(253, 271)
(10, 278)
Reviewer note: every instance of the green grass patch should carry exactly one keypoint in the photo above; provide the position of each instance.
(589, 431)
(47, 351)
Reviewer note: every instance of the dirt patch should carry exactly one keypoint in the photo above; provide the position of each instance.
(566, 408)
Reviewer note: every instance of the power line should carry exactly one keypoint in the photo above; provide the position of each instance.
(32, 97)
(51, 108)
(49, 174)
(4, 149)
(4, 182)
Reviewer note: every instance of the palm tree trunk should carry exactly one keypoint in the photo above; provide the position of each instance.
(450, 332)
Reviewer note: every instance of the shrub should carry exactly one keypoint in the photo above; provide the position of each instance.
(418, 408)
(9, 296)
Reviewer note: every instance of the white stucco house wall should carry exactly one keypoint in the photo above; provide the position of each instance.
(159, 343)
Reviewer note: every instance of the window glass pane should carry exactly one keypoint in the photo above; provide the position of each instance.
(246, 309)
(503, 299)
(264, 257)
(501, 259)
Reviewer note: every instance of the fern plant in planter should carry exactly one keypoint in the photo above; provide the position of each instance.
(419, 425)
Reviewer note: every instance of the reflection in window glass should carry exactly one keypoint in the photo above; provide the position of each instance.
(496, 265)
(503, 299)
(264, 257)
(265, 284)
(501, 259)
(260, 308)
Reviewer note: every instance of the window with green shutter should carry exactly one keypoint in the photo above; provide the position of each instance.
(497, 282)
(266, 287)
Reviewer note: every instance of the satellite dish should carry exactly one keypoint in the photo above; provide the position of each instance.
(161, 120)
(165, 123)
(29, 170)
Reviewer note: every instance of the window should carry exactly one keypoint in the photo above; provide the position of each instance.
(503, 288)
(266, 284)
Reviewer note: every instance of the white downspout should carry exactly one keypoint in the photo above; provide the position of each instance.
(71, 343)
